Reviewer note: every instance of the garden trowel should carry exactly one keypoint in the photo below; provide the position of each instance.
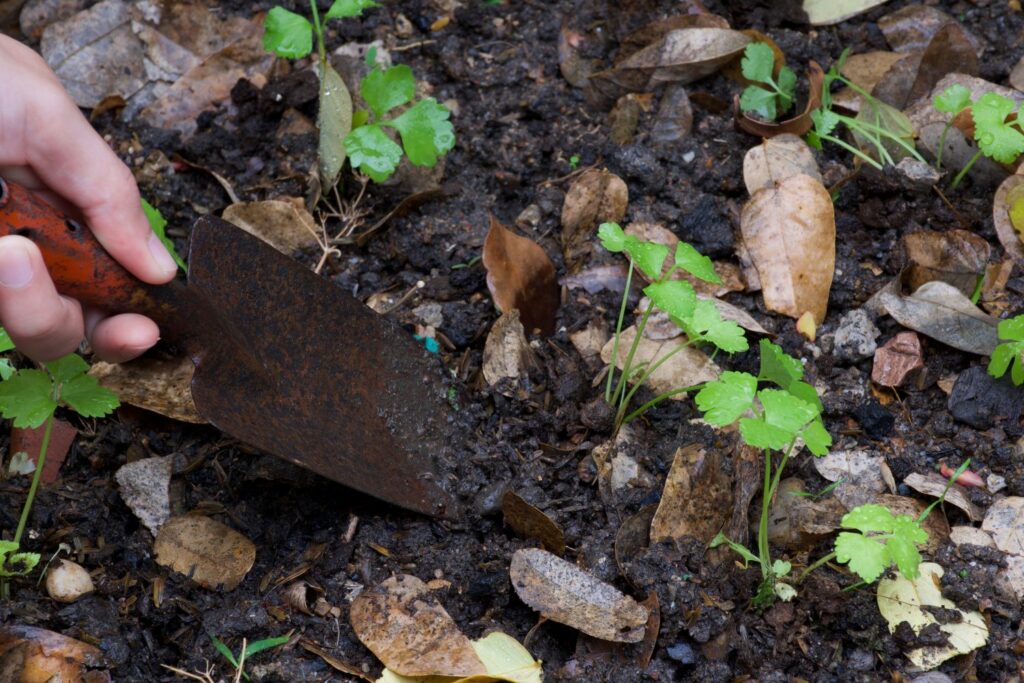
(285, 360)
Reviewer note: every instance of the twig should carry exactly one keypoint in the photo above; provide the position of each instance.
(411, 46)
(205, 677)
(241, 662)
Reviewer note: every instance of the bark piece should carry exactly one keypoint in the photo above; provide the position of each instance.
(897, 359)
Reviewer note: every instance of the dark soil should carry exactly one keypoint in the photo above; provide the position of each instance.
(518, 123)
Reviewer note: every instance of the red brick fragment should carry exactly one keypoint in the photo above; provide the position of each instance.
(897, 360)
(31, 440)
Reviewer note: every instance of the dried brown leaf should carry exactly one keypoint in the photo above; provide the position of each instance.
(531, 522)
(208, 552)
(36, 655)
(521, 276)
(162, 386)
(942, 312)
(282, 223)
(697, 498)
(1010, 191)
(826, 12)
(776, 159)
(956, 257)
(597, 196)
(686, 368)
(507, 354)
(933, 484)
(1005, 521)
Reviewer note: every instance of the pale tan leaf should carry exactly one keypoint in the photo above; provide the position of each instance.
(942, 312)
(776, 159)
(1005, 521)
(933, 484)
(210, 553)
(697, 498)
(162, 386)
(825, 12)
(685, 368)
(282, 223)
(1009, 193)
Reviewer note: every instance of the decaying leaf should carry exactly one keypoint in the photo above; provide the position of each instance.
(507, 354)
(208, 552)
(521, 276)
(685, 368)
(681, 56)
(674, 119)
(282, 223)
(633, 536)
(942, 312)
(597, 196)
(162, 386)
(697, 498)
(1010, 195)
(530, 522)
(30, 442)
(900, 599)
(790, 234)
(564, 593)
(334, 119)
(503, 657)
(799, 522)
(575, 69)
(825, 12)
(933, 484)
(657, 30)
(1005, 521)
(775, 160)
(145, 487)
(410, 632)
(956, 257)
(912, 28)
(36, 655)
(898, 360)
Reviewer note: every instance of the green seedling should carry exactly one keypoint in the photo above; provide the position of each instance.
(247, 651)
(6, 369)
(698, 318)
(771, 95)
(574, 161)
(1010, 354)
(952, 101)
(30, 398)
(159, 226)
(997, 128)
(879, 128)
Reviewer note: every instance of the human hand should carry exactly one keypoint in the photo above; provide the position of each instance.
(47, 146)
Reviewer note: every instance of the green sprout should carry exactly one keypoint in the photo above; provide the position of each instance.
(952, 101)
(574, 161)
(771, 95)
(698, 318)
(247, 651)
(1010, 354)
(997, 128)
(158, 224)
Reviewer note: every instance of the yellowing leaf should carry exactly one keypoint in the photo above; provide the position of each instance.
(900, 599)
(503, 656)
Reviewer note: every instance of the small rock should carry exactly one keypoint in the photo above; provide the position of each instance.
(429, 314)
(145, 488)
(980, 400)
(598, 415)
(529, 217)
(897, 360)
(932, 677)
(916, 175)
(682, 653)
(876, 421)
(68, 581)
(994, 483)
(855, 336)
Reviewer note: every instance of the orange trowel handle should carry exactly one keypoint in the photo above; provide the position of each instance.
(81, 268)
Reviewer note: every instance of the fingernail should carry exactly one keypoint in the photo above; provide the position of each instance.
(162, 257)
(15, 267)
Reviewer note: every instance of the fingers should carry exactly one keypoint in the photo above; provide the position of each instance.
(42, 324)
(41, 127)
(122, 337)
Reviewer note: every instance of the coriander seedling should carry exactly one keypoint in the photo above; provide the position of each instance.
(158, 224)
(952, 101)
(770, 95)
(1010, 354)
(997, 128)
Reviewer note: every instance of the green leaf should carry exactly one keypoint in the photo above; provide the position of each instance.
(724, 400)
(867, 557)
(907, 534)
(748, 557)
(758, 63)
(780, 568)
(5, 341)
(85, 396)
(158, 225)
(996, 139)
(1002, 356)
(9, 560)
(1011, 328)
(287, 34)
(757, 433)
(344, 9)
(385, 90)
(777, 366)
(261, 645)
(223, 649)
(373, 152)
(334, 120)
(649, 257)
(816, 438)
(426, 131)
(27, 398)
(1017, 372)
(784, 410)
(675, 297)
(953, 99)
(805, 391)
(825, 121)
(787, 87)
(869, 517)
(612, 237)
(696, 263)
(757, 100)
(707, 323)
(67, 368)
(6, 369)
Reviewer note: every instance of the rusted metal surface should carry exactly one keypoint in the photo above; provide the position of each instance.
(285, 361)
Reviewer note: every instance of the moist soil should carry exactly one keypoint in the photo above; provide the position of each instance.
(522, 130)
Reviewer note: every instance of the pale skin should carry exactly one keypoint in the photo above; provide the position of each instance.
(47, 145)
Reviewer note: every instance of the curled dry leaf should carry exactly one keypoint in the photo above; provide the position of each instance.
(933, 484)
(503, 657)
(797, 125)
(162, 386)
(686, 368)
(777, 159)
(1005, 521)
(826, 12)
(789, 232)
(681, 56)
(900, 599)
(697, 498)
(410, 632)
(1010, 192)
(657, 30)
(30, 654)
(208, 552)
(521, 276)
(282, 223)
(957, 257)
(564, 593)
(674, 119)
(597, 196)
(530, 522)
(942, 312)
(507, 354)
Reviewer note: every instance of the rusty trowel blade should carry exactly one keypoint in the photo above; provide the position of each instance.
(327, 384)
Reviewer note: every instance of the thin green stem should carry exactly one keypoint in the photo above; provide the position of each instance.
(965, 169)
(823, 560)
(656, 400)
(27, 507)
(319, 30)
(852, 150)
(648, 371)
(618, 334)
(628, 364)
(763, 550)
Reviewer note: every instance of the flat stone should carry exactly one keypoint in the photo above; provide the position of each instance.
(855, 337)
(897, 360)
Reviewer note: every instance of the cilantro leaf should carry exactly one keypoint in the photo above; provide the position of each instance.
(777, 366)
(612, 237)
(907, 534)
(27, 398)
(867, 557)
(1002, 356)
(738, 548)
(385, 90)
(708, 324)
(159, 224)
(648, 256)
(756, 432)
(287, 34)
(5, 341)
(784, 416)
(996, 138)
(953, 99)
(343, 9)
(85, 396)
(426, 131)
(787, 86)
(825, 121)
(6, 369)
(675, 297)
(757, 100)
(67, 368)
(758, 62)
(696, 263)
(1011, 328)
(1009, 352)
(806, 392)
(869, 517)
(373, 152)
(724, 400)
(816, 438)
